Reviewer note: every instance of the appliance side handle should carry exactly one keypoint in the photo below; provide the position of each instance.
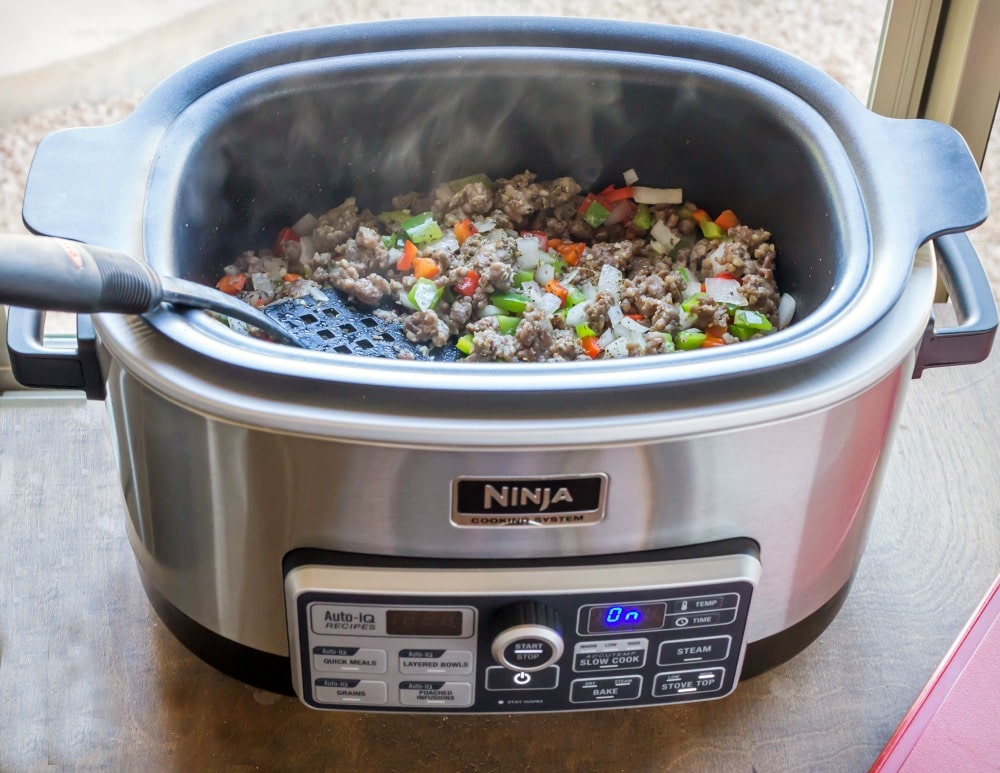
(971, 340)
(89, 184)
(34, 364)
(932, 185)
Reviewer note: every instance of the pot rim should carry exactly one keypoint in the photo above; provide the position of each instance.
(876, 150)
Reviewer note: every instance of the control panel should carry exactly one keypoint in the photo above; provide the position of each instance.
(638, 629)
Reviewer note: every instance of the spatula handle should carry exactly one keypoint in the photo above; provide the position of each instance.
(40, 272)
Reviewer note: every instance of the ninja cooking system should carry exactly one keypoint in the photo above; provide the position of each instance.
(385, 535)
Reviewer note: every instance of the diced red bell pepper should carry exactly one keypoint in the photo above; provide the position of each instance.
(468, 284)
(557, 289)
(284, 235)
(232, 283)
(590, 347)
(612, 194)
(543, 238)
(425, 268)
(724, 275)
(464, 230)
(405, 262)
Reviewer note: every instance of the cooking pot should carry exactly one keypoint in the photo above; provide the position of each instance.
(390, 535)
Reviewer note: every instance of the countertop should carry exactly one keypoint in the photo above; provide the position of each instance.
(90, 678)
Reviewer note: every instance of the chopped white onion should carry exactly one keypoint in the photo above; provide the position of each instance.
(658, 195)
(545, 273)
(489, 310)
(589, 290)
(308, 248)
(786, 310)
(632, 327)
(532, 289)
(617, 349)
(577, 315)
(610, 281)
(606, 337)
(404, 300)
(725, 291)
(305, 224)
(662, 234)
(615, 315)
(529, 254)
(318, 295)
(484, 226)
(549, 304)
(716, 259)
(619, 212)
(631, 178)
(238, 325)
(262, 283)
(691, 288)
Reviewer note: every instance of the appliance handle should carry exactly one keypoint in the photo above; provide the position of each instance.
(929, 184)
(36, 365)
(971, 340)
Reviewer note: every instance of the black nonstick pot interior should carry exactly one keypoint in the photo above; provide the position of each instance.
(257, 153)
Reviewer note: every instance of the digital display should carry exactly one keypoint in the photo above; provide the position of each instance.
(612, 618)
(423, 622)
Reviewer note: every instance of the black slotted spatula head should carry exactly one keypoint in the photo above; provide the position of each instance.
(339, 325)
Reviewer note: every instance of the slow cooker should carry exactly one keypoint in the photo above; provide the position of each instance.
(383, 535)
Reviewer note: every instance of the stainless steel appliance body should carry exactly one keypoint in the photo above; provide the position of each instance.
(237, 455)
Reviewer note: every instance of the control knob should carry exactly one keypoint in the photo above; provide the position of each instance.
(527, 636)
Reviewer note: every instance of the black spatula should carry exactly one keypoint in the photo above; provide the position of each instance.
(51, 274)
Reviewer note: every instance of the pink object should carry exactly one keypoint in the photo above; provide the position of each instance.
(954, 725)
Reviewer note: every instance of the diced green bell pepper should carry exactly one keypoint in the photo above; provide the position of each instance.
(711, 230)
(457, 185)
(596, 214)
(507, 324)
(690, 303)
(464, 344)
(643, 218)
(689, 339)
(747, 323)
(582, 331)
(574, 296)
(421, 229)
(425, 294)
(393, 216)
(520, 277)
(515, 303)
